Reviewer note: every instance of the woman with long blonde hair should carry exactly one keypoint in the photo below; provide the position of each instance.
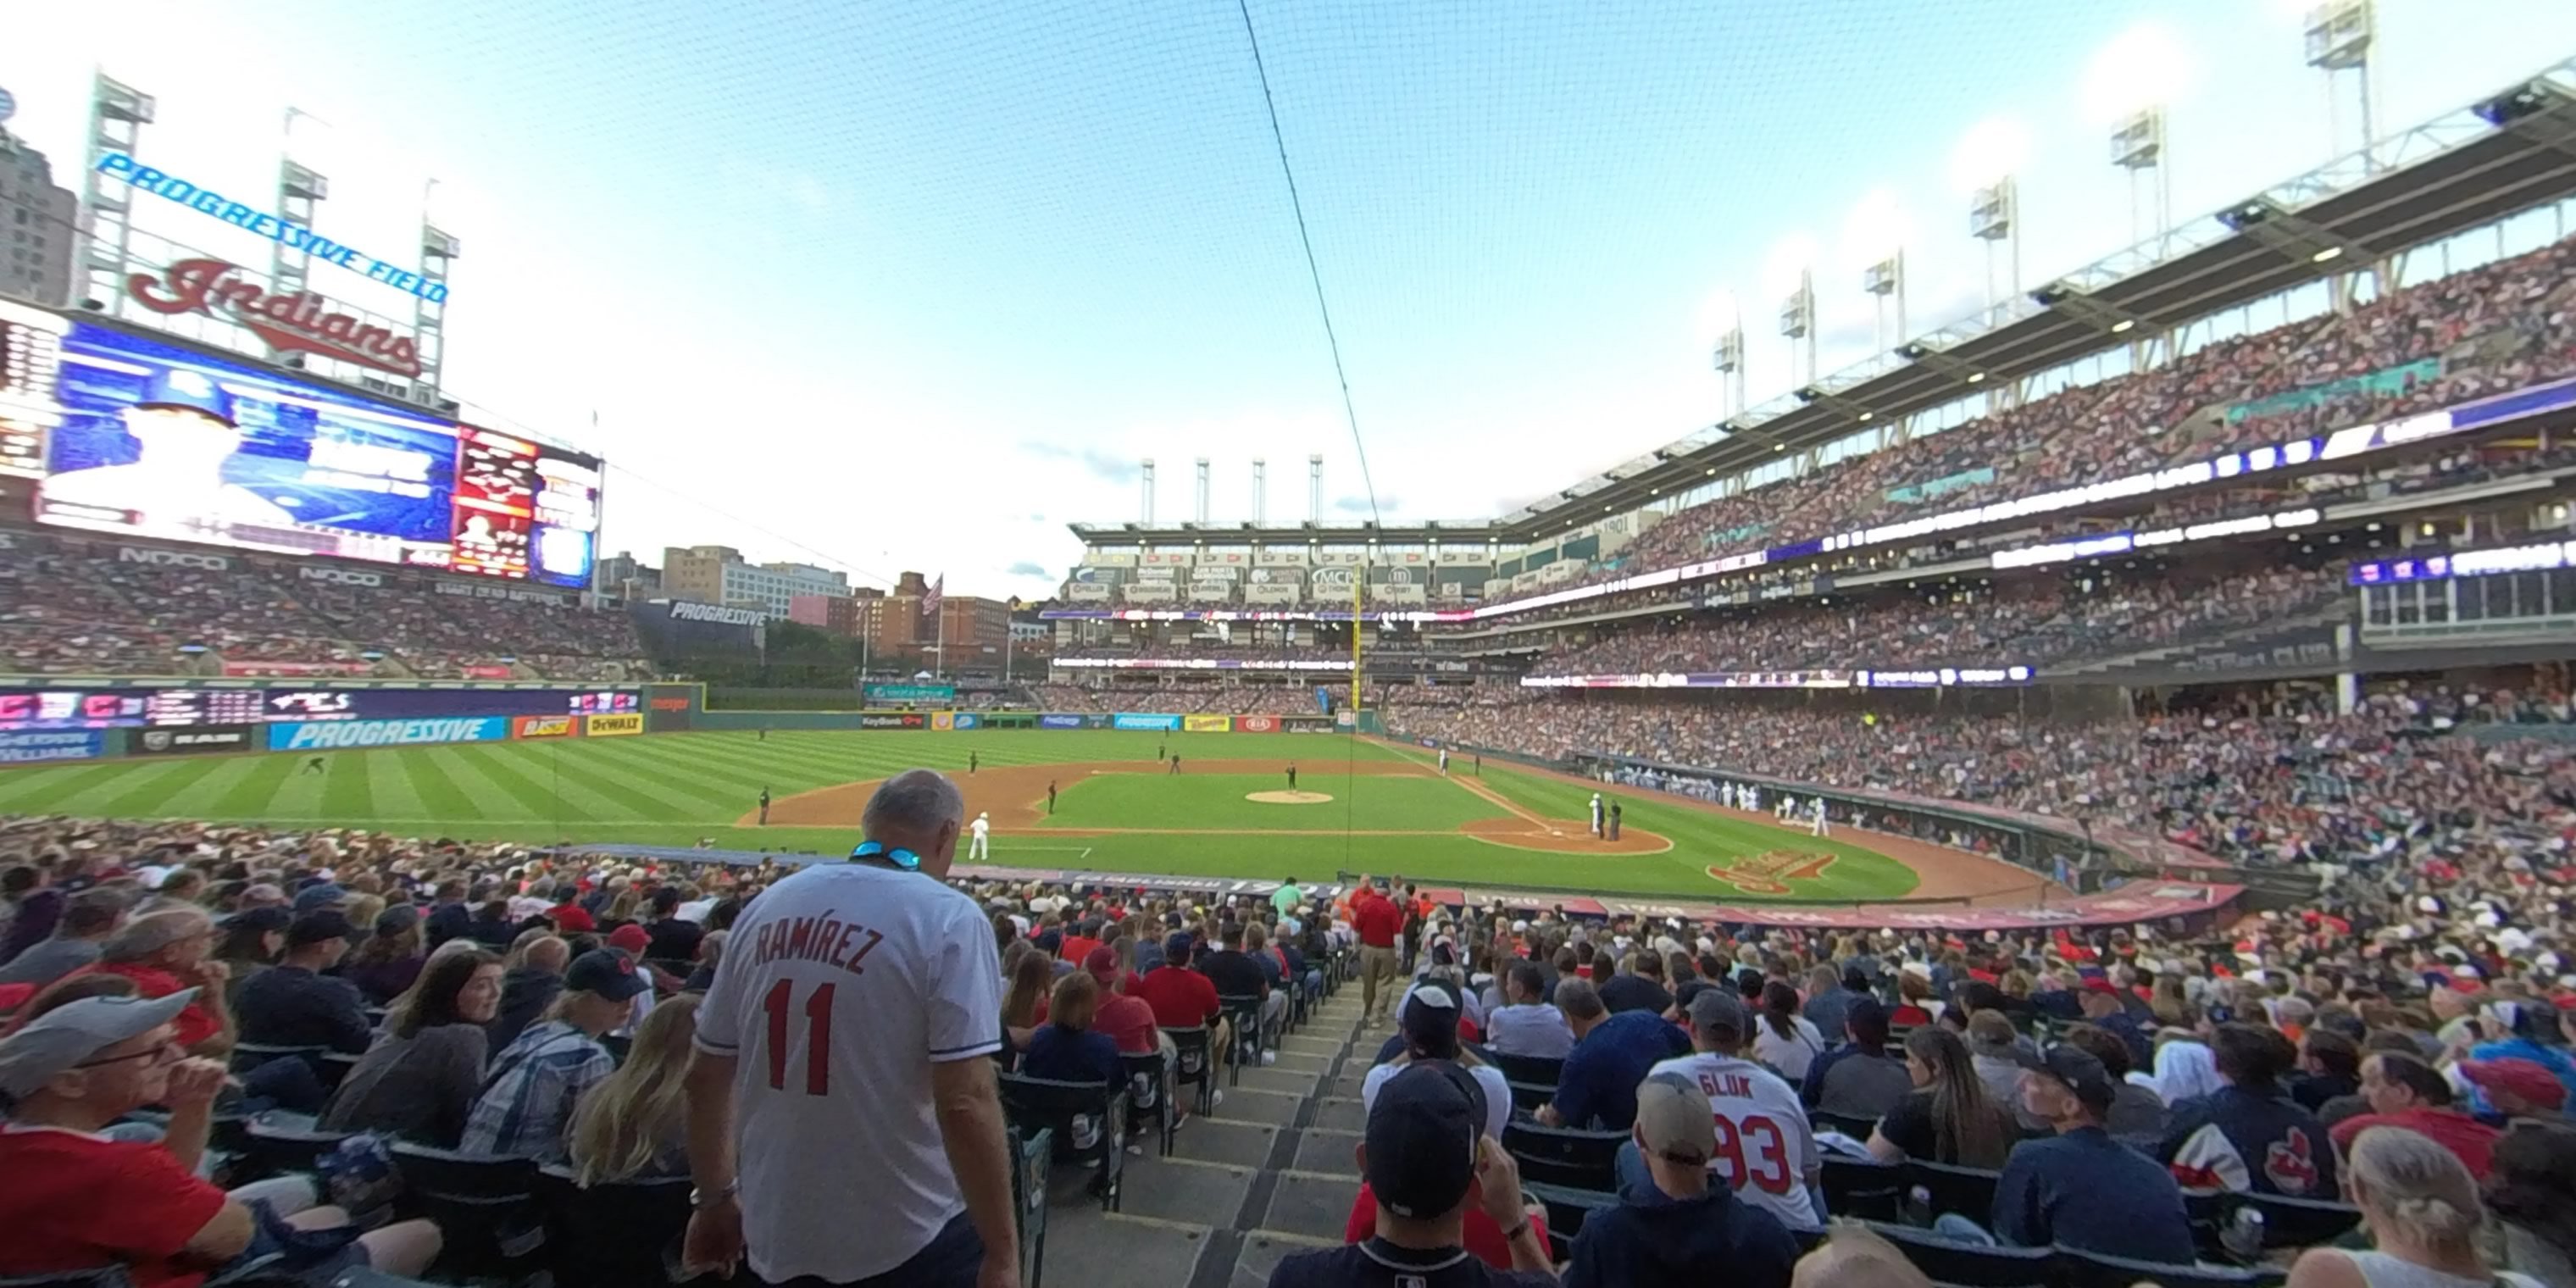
(636, 1124)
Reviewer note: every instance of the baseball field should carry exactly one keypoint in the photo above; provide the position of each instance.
(1360, 806)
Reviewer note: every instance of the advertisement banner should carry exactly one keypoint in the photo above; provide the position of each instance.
(392, 704)
(1132, 720)
(1256, 724)
(247, 667)
(612, 726)
(907, 695)
(487, 673)
(32, 746)
(1056, 720)
(891, 720)
(335, 734)
(1095, 720)
(968, 719)
(171, 742)
(552, 726)
(943, 721)
(1207, 724)
(1307, 724)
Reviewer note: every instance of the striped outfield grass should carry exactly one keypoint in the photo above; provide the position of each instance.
(679, 789)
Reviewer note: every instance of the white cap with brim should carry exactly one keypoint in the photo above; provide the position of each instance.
(67, 1036)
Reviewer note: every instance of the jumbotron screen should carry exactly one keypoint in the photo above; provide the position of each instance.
(153, 439)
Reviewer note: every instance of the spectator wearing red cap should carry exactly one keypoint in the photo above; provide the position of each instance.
(572, 919)
(2517, 1088)
(1128, 1020)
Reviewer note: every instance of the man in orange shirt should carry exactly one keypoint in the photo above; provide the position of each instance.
(1377, 921)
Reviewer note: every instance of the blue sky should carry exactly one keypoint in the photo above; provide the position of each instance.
(910, 285)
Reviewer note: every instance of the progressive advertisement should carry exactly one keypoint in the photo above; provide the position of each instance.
(338, 734)
(1131, 720)
(173, 742)
(159, 440)
(36, 745)
(140, 708)
(1058, 720)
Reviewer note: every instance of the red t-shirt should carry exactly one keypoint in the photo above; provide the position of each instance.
(1377, 920)
(1482, 1237)
(195, 1024)
(1078, 949)
(1129, 1022)
(1181, 998)
(73, 1201)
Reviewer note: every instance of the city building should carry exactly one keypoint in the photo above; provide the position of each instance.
(37, 220)
(627, 577)
(720, 575)
(837, 614)
(969, 625)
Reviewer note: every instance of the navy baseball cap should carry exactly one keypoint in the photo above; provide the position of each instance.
(607, 972)
(1421, 1139)
(1176, 946)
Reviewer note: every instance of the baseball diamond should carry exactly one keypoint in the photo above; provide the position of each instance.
(1386, 808)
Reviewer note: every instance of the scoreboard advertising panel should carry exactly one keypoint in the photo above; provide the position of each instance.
(146, 437)
(138, 708)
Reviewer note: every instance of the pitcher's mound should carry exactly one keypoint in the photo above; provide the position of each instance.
(1288, 798)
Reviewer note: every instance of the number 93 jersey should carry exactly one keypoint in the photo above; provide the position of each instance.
(1765, 1151)
(838, 990)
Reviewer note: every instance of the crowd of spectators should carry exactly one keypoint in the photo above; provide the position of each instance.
(2031, 621)
(2489, 329)
(1227, 697)
(74, 606)
(2406, 1035)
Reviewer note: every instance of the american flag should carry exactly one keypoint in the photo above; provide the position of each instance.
(930, 602)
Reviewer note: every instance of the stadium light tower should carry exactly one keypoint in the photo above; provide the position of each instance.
(1315, 488)
(1145, 474)
(1260, 491)
(1203, 491)
(2340, 33)
(2138, 146)
(1994, 215)
(1798, 322)
(1883, 279)
(1728, 358)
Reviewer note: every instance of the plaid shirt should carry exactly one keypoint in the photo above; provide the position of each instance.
(527, 1101)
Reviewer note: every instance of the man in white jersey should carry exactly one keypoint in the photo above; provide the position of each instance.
(1764, 1149)
(981, 847)
(844, 1124)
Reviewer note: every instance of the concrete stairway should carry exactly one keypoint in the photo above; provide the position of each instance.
(1269, 1173)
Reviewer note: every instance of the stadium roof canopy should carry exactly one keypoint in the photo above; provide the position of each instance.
(2508, 153)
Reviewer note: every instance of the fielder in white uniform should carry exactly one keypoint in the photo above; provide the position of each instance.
(1596, 813)
(1444, 760)
(1816, 814)
(981, 845)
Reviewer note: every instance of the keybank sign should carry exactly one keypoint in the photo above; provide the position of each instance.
(118, 165)
(331, 735)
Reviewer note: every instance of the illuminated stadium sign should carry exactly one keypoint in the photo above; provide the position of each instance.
(118, 165)
(299, 323)
(1827, 678)
(151, 438)
(2539, 557)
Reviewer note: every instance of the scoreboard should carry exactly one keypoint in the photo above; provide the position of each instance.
(138, 708)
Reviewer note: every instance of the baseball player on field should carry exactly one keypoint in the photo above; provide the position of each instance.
(981, 845)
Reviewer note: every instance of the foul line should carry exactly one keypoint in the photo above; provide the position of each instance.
(1478, 788)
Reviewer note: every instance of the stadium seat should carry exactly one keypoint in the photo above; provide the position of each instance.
(1858, 1129)
(1158, 1073)
(1937, 1188)
(334, 1067)
(1566, 1210)
(1539, 1070)
(2080, 1269)
(247, 1056)
(486, 1209)
(103, 1277)
(2293, 1223)
(621, 1235)
(1190, 1063)
(274, 1144)
(1582, 1160)
(1863, 1188)
(1971, 1265)
(1244, 1013)
(1046, 1104)
(1031, 1157)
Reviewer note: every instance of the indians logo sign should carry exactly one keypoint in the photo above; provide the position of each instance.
(1771, 871)
(287, 322)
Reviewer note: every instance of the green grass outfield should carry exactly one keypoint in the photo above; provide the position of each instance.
(678, 789)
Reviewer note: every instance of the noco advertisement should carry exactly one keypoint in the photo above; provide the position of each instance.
(154, 439)
(139, 708)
